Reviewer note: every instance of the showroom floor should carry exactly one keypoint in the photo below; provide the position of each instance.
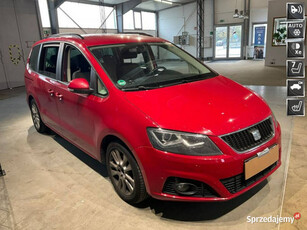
(50, 184)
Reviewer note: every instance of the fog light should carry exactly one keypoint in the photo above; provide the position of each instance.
(186, 188)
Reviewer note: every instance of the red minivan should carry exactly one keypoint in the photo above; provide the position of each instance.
(164, 124)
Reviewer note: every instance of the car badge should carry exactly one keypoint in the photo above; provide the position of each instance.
(256, 134)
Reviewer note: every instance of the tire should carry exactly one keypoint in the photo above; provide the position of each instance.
(36, 118)
(125, 174)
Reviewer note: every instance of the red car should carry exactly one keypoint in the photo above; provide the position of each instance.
(164, 124)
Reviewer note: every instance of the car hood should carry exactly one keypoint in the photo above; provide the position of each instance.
(213, 106)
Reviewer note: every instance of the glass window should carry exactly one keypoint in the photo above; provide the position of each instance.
(86, 15)
(75, 65)
(101, 89)
(279, 32)
(44, 13)
(148, 21)
(137, 66)
(137, 20)
(128, 20)
(48, 61)
(34, 58)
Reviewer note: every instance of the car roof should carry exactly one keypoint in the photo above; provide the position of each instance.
(102, 39)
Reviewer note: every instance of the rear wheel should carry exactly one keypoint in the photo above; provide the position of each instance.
(36, 118)
(125, 174)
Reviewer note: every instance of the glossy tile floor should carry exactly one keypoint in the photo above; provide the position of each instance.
(50, 184)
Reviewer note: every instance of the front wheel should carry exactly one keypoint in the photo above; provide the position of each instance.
(36, 118)
(125, 174)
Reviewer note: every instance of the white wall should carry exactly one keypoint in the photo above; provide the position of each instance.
(173, 22)
(209, 15)
(258, 14)
(224, 10)
(276, 56)
(19, 30)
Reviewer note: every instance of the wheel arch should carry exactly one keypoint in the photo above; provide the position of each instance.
(106, 141)
(30, 98)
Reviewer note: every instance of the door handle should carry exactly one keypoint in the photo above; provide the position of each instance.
(51, 92)
(60, 96)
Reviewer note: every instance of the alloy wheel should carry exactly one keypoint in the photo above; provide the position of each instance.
(35, 116)
(121, 172)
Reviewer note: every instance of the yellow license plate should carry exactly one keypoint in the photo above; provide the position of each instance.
(261, 162)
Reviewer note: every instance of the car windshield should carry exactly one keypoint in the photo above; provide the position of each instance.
(149, 65)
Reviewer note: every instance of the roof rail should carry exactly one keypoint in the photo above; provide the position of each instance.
(65, 34)
(139, 33)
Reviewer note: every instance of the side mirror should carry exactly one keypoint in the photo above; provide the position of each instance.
(80, 85)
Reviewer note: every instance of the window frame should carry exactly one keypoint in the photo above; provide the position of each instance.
(137, 28)
(65, 57)
(155, 14)
(44, 45)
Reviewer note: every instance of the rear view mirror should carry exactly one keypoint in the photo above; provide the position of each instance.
(80, 85)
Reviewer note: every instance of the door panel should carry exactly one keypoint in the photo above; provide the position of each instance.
(45, 92)
(77, 118)
(46, 83)
(221, 42)
(77, 111)
(235, 41)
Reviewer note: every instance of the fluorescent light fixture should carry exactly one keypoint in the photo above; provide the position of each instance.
(163, 1)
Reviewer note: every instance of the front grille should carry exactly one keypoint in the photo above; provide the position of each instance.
(244, 140)
(237, 183)
(203, 190)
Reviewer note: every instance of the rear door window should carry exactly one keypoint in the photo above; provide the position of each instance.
(48, 61)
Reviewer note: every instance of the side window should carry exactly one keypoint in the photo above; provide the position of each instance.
(101, 89)
(75, 65)
(48, 61)
(34, 57)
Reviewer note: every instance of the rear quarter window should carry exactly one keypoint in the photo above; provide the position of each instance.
(34, 58)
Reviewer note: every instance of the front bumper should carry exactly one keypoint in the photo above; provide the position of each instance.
(214, 171)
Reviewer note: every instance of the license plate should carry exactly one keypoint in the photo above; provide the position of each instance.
(261, 161)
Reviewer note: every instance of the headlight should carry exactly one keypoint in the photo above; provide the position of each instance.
(182, 143)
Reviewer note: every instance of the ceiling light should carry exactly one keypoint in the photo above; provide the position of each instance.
(236, 14)
(167, 2)
(241, 16)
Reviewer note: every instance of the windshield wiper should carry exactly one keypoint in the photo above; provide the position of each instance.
(175, 83)
(140, 87)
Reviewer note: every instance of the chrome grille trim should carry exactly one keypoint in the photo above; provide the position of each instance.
(251, 126)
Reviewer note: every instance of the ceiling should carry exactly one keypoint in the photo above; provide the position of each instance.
(146, 5)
